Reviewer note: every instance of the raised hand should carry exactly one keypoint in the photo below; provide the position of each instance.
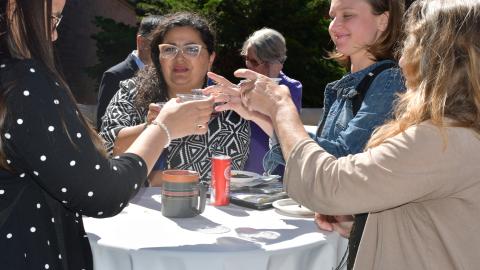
(228, 95)
(263, 93)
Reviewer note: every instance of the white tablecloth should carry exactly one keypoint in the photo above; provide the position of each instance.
(222, 238)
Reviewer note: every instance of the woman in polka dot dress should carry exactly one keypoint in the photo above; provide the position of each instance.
(53, 169)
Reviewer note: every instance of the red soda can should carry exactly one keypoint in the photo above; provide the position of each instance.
(220, 185)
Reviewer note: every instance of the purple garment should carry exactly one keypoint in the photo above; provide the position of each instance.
(259, 139)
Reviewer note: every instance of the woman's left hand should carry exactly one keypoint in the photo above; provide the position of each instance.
(153, 111)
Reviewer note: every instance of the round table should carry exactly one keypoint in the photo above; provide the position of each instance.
(223, 238)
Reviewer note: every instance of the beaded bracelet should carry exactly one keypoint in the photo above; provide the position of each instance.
(162, 126)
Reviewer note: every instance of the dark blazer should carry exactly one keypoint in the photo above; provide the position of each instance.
(109, 85)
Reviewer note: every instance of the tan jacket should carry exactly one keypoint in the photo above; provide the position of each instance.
(423, 196)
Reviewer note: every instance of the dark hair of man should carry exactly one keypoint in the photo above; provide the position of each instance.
(25, 35)
(148, 24)
(151, 86)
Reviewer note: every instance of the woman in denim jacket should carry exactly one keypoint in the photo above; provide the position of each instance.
(344, 133)
(365, 34)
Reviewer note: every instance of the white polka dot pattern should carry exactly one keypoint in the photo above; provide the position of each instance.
(61, 159)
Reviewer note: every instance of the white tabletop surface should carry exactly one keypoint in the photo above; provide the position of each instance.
(223, 238)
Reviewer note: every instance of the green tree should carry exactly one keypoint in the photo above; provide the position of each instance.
(114, 42)
(302, 22)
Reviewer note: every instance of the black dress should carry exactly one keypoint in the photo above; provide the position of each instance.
(58, 174)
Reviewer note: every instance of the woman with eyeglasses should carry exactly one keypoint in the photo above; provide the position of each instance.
(53, 166)
(182, 53)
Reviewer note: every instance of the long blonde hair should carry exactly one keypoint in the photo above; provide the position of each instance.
(441, 64)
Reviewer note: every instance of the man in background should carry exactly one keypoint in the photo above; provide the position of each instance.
(126, 69)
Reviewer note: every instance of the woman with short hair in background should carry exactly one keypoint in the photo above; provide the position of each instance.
(265, 52)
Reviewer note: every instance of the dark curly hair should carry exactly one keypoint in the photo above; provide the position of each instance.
(151, 86)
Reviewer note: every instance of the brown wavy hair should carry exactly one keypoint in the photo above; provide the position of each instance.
(441, 64)
(25, 33)
(151, 86)
(386, 44)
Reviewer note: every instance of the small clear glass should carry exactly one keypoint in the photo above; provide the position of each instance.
(190, 97)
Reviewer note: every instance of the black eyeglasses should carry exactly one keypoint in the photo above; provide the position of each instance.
(56, 21)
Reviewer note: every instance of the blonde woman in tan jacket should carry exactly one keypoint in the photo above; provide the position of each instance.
(419, 177)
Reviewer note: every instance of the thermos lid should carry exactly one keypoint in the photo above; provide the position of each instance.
(180, 176)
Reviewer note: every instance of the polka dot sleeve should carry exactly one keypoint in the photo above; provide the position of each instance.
(46, 140)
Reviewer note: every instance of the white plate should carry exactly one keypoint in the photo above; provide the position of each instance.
(291, 207)
(249, 176)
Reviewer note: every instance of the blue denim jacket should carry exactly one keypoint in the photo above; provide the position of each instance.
(342, 133)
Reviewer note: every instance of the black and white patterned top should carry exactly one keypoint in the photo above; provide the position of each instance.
(228, 134)
(59, 176)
